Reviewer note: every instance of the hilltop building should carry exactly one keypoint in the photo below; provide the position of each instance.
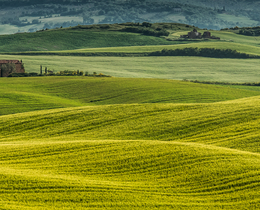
(197, 35)
(10, 66)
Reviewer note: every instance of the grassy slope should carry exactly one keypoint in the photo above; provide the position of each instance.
(73, 39)
(229, 40)
(127, 175)
(136, 50)
(28, 94)
(192, 68)
(232, 124)
(135, 156)
(60, 168)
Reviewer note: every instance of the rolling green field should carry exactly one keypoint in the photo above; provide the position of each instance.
(140, 50)
(178, 68)
(144, 138)
(29, 94)
(73, 39)
(150, 156)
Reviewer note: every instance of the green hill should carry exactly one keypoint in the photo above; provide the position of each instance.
(94, 36)
(73, 39)
(145, 50)
(127, 175)
(107, 157)
(164, 67)
(81, 142)
(111, 41)
(231, 124)
(28, 94)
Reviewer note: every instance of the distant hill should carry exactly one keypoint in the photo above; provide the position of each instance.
(34, 15)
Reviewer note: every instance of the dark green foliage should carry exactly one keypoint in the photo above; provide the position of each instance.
(147, 31)
(19, 75)
(226, 83)
(254, 31)
(61, 73)
(248, 31)
(30, 74)
(78, 73)
(146, 24)
(33, 74)
(147, 28)
(204, 52)
(40, 69)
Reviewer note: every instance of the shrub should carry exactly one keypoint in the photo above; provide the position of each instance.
(19, 75)
(205, 52)
(147, 31)
(33, 74)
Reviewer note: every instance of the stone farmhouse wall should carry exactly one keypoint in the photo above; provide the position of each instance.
(18, 67)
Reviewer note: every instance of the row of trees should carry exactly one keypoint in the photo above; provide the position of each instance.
(47, 72)
(250, 32)
(224, 83)
(205, 52)
(147, 31)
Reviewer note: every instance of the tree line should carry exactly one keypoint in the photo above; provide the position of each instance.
(204, 52)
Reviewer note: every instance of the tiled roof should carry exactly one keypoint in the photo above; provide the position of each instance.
(9, 61)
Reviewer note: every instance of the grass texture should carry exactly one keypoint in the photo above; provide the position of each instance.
(145, 50)
(43, 93)
(178, 68)
(231, 124)
(73, 39)
(128, 143)
(149, 156)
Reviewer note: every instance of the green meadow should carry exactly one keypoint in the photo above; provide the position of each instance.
(145, 138)
(73, 39)
(143, 50)
(163, 67)
(150, 156)
(29, 94)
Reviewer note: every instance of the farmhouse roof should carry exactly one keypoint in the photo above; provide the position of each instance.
(9, 61)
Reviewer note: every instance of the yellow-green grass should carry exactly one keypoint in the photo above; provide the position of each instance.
(226, 36)
(135, 156)
(127, 175)
(178, 68)
(232, 124)
(60, 159)
(237, 38)
(41, 93)
(136, 50)
(229, 40)
(65, 39)
(73, 39)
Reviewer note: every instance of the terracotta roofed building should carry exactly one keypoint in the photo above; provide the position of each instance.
(8, 67)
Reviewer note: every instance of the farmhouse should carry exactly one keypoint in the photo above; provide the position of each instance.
(10, 66)
(196, 35)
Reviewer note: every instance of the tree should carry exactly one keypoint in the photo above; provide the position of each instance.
(40, 69)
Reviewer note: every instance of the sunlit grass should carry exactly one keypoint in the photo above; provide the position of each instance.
(232, 124)
(130, 156)
(127, 175)
(135, 50)
(192, 68)
(128, 143)
(42, 93)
